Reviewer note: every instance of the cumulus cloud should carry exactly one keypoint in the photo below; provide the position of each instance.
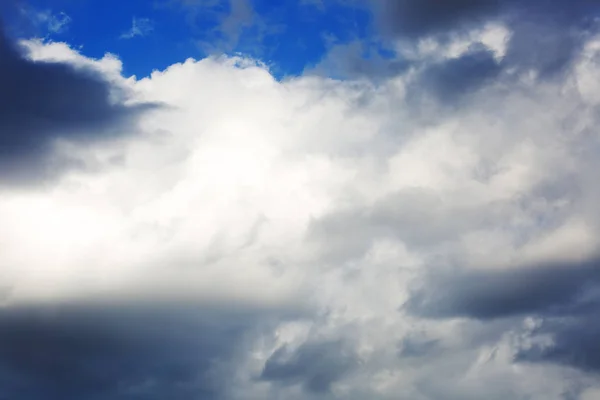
(258, 239)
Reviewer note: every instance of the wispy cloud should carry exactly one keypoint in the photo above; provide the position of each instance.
(225, 24)
(52, 23)
(139, 27)
(56, 23)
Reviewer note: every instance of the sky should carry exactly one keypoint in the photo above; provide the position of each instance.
(321, 199)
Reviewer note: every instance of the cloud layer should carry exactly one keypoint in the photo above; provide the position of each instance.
(306, 238)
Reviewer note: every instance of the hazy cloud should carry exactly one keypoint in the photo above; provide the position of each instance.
(45, 20)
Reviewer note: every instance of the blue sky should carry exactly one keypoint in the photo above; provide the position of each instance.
(288, 36)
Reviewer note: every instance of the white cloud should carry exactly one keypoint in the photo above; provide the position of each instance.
(321, 195)
(139, 27)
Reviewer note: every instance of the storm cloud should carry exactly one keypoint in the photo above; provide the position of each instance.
(124, 351)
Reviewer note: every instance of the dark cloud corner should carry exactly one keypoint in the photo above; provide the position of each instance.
(41, 102)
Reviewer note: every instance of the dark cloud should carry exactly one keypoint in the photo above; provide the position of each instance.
(314, 365)
(419, 18)
(564, 295)
(487, 294)
(416, 18)
(41, 102)
(124, 352)
(575, 342)
(456, 77)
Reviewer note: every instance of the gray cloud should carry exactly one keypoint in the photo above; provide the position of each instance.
(557, 289)
(314, 365)
(545, 47)
(416, 216)
(418, 18)
(448, 80)
(455, 77)
(565, 295)
(415, 18)
(545, 36)
(41, 102)
(575, 342)
(123, 351)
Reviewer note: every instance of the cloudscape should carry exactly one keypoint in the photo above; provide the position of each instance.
(322, 199)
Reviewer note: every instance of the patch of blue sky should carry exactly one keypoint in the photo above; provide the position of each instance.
(97, 27)
(288, 36)
(304, 33)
